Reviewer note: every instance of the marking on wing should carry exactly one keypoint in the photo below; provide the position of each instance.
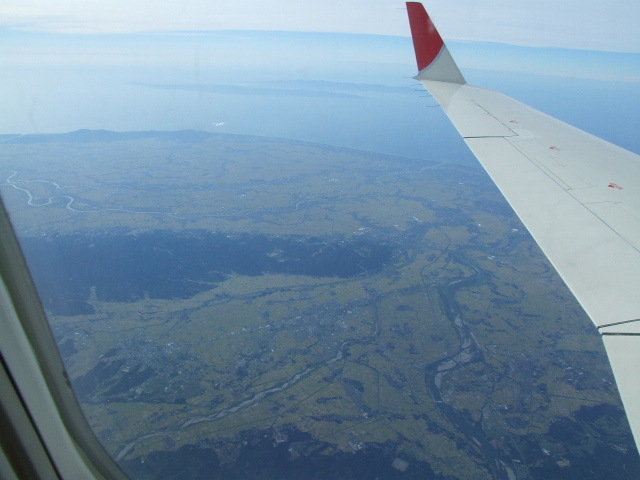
(561, 168)
(513, 134)
(611, 214)
(548, 172)
(560, 163)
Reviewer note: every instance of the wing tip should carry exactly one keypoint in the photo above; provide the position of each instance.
(427, 42)
(432, 56)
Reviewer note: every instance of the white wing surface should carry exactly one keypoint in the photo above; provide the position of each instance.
(578, 195)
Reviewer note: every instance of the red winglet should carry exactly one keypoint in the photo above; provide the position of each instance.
(426, 39)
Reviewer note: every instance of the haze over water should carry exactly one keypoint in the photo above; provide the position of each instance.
(338, 89)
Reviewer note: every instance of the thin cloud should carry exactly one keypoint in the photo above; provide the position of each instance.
(244, 90)
(612, 26)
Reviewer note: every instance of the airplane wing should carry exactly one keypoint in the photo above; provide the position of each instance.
(578, 195)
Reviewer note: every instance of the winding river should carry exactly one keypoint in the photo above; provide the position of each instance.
(498, 462)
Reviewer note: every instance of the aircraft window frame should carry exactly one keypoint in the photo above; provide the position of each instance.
(40, 382)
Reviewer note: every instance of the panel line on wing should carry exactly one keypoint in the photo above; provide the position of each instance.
(491, 136)
(619, 221)
(563, 186)
(606, 223)
(496, 119)
(552, 176)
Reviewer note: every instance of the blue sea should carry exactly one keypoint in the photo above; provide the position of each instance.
(339, 89)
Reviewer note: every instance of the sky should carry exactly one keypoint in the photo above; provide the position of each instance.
(335, 72)
(583, 24)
